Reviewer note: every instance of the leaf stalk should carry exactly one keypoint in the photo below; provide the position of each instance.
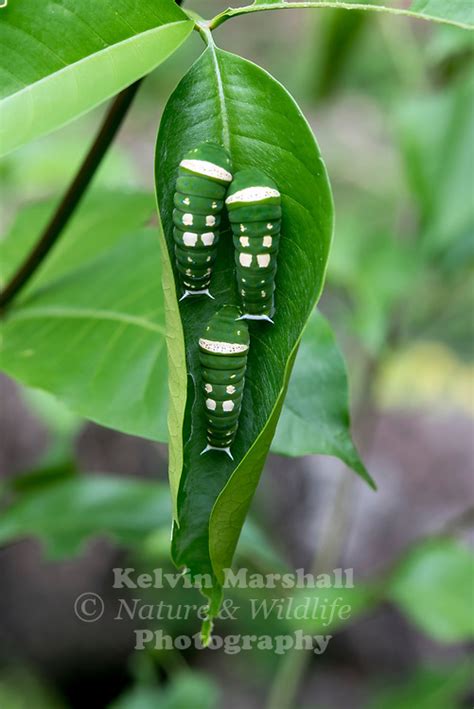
(76, 190)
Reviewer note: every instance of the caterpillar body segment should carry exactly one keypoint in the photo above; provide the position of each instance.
(203, 177)
(223, 350)
(254, 205)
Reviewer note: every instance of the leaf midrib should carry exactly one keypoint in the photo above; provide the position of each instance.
(221, 97)
(86, 313)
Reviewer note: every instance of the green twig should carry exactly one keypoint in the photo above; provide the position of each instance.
(263, 7)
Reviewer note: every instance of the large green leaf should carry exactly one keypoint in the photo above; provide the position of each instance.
(434, 586)
(233, 102)
(452, 12)
(89, 327)
(315, 416)
(60, 59)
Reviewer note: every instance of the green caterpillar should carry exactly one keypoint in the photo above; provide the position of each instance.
(203, 176)
(254, 206)
(223, 351)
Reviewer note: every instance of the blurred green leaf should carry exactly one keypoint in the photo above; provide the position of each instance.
(315, 417)
(254, 545)
(78, 56)
(333, 607)
(434, 586)
(339, 34)
(437, 138)
(89, 328)
(45, 166)
(40, 477)
(99, 223)
(65, 514)
(58, 418)
(20, 689)
(427, 689)
(65, 509)
(456, 11)
(190, 689)
(375, 270)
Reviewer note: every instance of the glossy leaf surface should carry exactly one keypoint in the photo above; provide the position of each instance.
(228, 100)
(60, 59)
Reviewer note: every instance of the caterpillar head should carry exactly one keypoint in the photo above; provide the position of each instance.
(208, 160)
(252, 186)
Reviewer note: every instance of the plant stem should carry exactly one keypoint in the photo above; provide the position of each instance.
(336, 526)
(294, 664)
(334, 4)
(112, 122)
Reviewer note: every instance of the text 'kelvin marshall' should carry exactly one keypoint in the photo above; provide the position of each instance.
(243, 578)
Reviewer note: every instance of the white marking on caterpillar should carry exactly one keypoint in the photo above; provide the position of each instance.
(252, 194)
(187, 219)
(208, 387)
(208, 258)
(186, 201)
(211, 404)
(207, 238)
(256, 317)
(189, 272)
(267, 241)
(263, 260)
(243, 228)
(244, 240)
(263, 294)
(214, 205)
(222, 347)
(245, 260)
(210, 220)
(189, 239)
(204, 167)
(230, 389)
(270, 226)
(215, 448)
(187, 293)
(228, 405)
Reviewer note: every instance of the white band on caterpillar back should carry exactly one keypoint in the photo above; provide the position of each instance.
(252, 194)
(209, 169)
(222, 347)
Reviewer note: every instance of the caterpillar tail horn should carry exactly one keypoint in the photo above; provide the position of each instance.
(196, 292)
(215, 448)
